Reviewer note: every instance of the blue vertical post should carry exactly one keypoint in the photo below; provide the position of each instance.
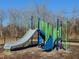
(61, 36)
(57, 44)
(38, 29)
(31, 22)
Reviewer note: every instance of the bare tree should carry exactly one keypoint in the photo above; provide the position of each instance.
(1, 21)
(13, 16)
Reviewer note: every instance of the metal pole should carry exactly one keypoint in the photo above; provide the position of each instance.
(57, 35)
(31, 22)
(31, 28)
(52, 29)
(61, 35)
(48, 30)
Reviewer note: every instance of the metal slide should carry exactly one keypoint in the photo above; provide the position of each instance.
(21, 42)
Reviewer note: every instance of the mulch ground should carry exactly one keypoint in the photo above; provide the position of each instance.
(37, 53)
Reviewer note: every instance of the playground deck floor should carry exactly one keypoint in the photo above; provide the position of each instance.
(37, 53)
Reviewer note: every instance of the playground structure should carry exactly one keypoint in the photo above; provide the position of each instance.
(49, 36)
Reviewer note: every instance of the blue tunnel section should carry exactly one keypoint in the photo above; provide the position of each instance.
(48, 45)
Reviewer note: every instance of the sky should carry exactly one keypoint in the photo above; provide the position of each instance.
(51, 5)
